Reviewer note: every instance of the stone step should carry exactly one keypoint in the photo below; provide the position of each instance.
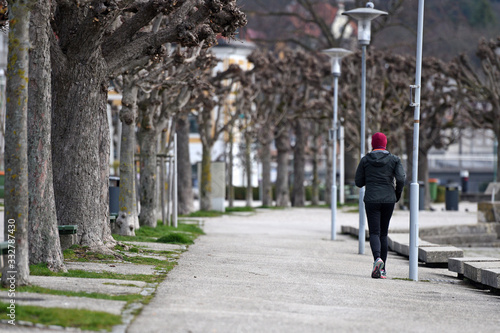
(438, 254)
(467, 229)
(491, 277)
(457, 264)
(354, 231)
(483, 238)
(473, 270)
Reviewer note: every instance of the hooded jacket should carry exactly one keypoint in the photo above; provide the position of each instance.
(383, 175)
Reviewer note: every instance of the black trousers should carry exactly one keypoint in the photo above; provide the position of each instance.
(379, 215)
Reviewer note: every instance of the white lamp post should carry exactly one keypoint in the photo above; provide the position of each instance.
(414, 188)
(364, 16)
(336, 55)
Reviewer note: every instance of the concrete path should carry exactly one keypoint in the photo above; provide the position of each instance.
(278, 272)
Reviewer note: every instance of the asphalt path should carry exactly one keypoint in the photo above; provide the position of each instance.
(278, 271)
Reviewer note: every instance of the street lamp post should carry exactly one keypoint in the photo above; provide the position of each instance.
(336, 55)
(414, 187)
(364, 16)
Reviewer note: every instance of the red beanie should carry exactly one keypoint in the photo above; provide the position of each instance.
(379, 141)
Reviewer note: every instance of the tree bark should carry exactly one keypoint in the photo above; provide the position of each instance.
(16, 272)
(299, 164)
(206, 179)
(127, 220)
(80, 140)
(44, 244)
(329, 172)
(282, 189)
(315, 149)
(248, 167)
(267, 190)
(149, 197)
(184, 176)
(230, 187)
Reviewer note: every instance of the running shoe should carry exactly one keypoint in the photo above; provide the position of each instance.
(378, 265)
(383, 274)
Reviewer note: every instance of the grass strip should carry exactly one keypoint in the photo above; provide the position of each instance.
(42, 290)
(83, 319)
(239, 209)
(42, 270)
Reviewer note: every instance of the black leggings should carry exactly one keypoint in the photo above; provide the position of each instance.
(379, 215)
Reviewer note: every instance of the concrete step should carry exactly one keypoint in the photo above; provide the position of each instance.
(491, 277)
(463, 240)
(478, 228)
(473, 270)
(354, 231)
(457, 264)
(438, 254)
(462, 235)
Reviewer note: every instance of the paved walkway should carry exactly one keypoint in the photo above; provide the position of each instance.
(278, 272)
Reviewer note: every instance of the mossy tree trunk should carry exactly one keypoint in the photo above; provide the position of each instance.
(206, 179)
(16, 272)
(267, 190)
(128, 221)
(248, 168)
(299, 164)
(184, 172)
(44, 244)
(148, 193)
(282, 188)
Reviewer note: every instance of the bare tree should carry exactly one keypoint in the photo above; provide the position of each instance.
(91, 41)
(481, 89)
(214, 116)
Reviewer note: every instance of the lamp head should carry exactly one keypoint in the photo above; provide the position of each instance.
(336, 55)
(364, 16)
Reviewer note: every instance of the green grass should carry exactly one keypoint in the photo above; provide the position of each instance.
(143, 239)
(42, 270)
(183, 234)
(175, 238)
(270, 207)
(41, 290)
(83, 319)
(79, 253)
(239, 209)
(204, 213)
(161, 230)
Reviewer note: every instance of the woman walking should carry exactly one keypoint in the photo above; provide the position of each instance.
(383, 175)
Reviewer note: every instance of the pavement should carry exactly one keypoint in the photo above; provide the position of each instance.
(278, 271)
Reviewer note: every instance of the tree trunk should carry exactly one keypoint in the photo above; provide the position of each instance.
(299, 165)
(248, 167)
(184, 176)
(16, 146)
(80, 142)
(230, 187)
(282, 190)
(206, 179)
(315, 149)
(267, 190)
(44, 244)
(149, 197)
(329, 172)
(127, 220)
(497, 136)
(423, 175)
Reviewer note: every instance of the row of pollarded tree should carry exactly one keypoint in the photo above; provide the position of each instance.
(290, 101)
(58, 173)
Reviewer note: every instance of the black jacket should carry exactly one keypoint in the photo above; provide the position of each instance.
(383, 175)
